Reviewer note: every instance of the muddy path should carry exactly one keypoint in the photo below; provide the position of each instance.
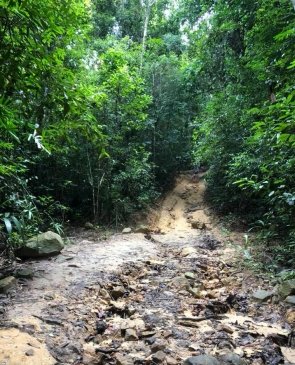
(173, 294)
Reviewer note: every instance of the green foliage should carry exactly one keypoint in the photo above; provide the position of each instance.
(42, 104)
(169, 114)
(125, 176)
(103, 101)
(244, 132)
(132, 187)
(120, 18)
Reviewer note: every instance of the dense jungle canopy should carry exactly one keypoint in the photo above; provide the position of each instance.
(102, 102)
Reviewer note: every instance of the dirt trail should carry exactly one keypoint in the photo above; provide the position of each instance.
(182, 205)
(157, 298)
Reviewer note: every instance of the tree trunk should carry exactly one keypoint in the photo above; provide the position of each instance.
(147, 4)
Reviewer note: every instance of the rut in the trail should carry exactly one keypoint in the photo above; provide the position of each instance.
(150, 299)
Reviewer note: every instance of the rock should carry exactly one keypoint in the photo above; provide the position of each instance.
(130, 310)
(137, 324)
(101, 326)
(150, 340)
(212, 284)
(131, 335)
(155, 263)
(190, 275)
(118, 292)
(286, 288)
(25, 273)
(203, 294)
(118, 306)
(224, 344)
(147, 334)
(196, 292)
(262, 295)
(34, 343)
(201, 360)
(98, 339)
(104, 293)
(239, 351)
(198, 225)
(226, 328)
(89, 225)
(30, 352)
(232, 359)
(180, 282)
(186, 251)
(158, 345)
(7, 283)
(123, 359)
(90, 349)
(92, 360)
(127, 230)
(171, 361)
(43, 245)
(290, 316)
(284, 273)
(142, 229)
(290, 299)
(159, 357)
(194, 347)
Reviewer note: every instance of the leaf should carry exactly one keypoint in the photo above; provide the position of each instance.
(17, 223)
(104, 154)
(14, 136)
(247, 255)
(8, 225)
(285, 34)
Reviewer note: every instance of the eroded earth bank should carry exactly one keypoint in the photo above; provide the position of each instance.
(173, 294)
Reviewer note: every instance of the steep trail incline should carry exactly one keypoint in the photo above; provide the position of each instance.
(183, 204)
(155, 298)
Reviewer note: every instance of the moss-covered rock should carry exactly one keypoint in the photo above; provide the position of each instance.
(43, 245)
(7, 283)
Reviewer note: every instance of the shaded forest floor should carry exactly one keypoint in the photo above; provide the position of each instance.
(159, 297)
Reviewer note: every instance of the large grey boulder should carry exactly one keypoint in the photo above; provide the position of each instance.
(43, 245)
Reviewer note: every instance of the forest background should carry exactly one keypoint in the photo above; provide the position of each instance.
(102, 102)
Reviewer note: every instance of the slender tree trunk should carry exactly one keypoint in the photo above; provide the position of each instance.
(154, 129)
(91, 182)
(147, 4)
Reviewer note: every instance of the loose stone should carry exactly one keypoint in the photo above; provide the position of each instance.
(7, 283)
(131, 335)
(262, 295)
